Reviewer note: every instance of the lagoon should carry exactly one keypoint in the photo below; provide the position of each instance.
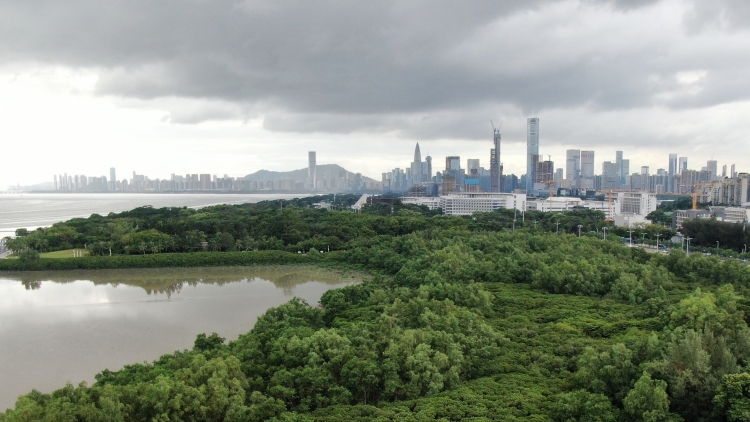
(70, 325)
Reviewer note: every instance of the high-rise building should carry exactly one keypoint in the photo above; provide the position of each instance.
(417, 167)
(452, 177)
(472, 167)
(573, 164)
(587, 164)
(682, 164)
(734, 174)
(532, 152)
(672, 173)
(712, 167)
(496, 165)
(112, 178)
(724, 171)
(644, 171)
(312, 177)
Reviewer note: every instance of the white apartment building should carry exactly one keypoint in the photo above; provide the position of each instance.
(736, 215)
(638, 203)
(467, 203)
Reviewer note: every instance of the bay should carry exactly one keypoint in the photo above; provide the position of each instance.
(32, 210)
(70, 325)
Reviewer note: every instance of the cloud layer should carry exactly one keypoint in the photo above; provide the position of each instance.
(338, 66)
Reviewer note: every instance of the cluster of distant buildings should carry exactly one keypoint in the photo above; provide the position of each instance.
(629, 197)
(325, 178)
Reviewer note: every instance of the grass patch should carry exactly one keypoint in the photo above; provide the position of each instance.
(67, 253)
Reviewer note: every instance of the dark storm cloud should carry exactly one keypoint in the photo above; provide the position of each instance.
(342, 66)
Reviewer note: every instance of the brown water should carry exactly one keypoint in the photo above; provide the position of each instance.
(70, 325)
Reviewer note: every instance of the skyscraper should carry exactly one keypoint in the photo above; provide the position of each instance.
(712, 166)
(112, 178)
(496, 164)
(724, 171)
(312, 178)
(587, 164)
(672, 172)
(573, 164)
(682, 164)
(532, 152)
(417, 167)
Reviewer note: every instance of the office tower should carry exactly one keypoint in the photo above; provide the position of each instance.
(672, 173)
(618, 161)
(712, 167)
(573, 164)
(112, 178)
(624, 171)
(587, 164)
(532, 152)
(472, 167)
(644, 170)
(610, 175)
(496, 164)
(724, 171)
(452, 177)
(428, 164)
(559, 174)
(733, 172)
(312, 179)
(682, 164)
(417, 167)
(452, 163)
(55, 182)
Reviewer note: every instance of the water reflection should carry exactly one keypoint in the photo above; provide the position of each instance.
(171, 280)
(69, 325)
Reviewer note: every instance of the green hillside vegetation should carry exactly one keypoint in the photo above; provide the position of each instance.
(462, 319)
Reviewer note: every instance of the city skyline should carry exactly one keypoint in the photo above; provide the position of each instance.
(238, 92)
(577, 172)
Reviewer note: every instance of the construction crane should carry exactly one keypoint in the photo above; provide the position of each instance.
(696, 187)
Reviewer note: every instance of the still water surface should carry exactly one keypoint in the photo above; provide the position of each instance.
(70, 325)
(32, 210)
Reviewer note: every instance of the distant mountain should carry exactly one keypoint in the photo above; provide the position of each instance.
(323, 171)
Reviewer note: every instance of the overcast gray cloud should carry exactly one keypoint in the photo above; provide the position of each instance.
(421, 69)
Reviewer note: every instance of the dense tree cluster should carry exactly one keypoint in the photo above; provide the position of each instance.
(464, 319)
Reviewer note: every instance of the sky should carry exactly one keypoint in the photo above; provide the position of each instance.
(232, 87)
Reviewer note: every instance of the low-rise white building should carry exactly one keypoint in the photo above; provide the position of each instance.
(638, 203)
(562, 204)
(467, 203)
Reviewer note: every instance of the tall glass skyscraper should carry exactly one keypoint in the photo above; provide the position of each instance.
(672, 173)
(312, 176)
(532, 152)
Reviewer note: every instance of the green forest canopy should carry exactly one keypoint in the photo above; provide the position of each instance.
(464, 319)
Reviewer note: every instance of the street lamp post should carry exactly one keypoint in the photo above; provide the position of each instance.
(717, 244)
(744, 249)
(604, 229)
(643, 239)
(688, 245)
(557, 224)
(579, 230)
(514, 224)
(631, 237)
(657, 242)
